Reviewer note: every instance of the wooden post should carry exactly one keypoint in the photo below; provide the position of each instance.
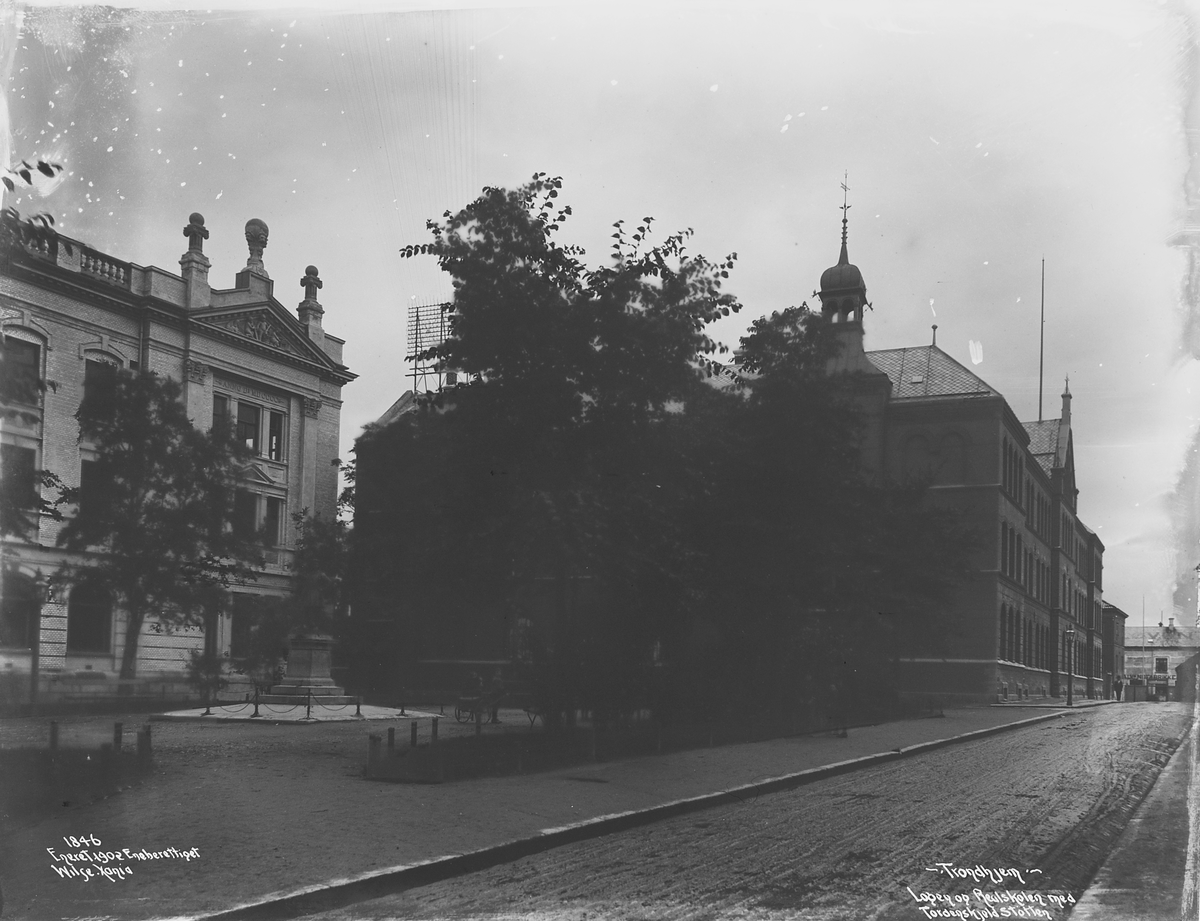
(391, 739)
(414, 734)
(143, 742)
(373, 745)
(118, 732)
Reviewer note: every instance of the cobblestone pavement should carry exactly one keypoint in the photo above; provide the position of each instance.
(1044, 800)
(272, 808)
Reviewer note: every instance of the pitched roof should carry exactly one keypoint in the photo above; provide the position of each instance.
(403, 405)
(926, 372)
(1043, 442)
(1172, 636)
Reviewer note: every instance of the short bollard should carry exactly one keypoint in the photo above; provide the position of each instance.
(373, 744)
(391, 739)
(413, 734)
(358, 706)
(118, 732)
(255, 713)
(308, 708)
(433, 730)
(146, 729)
(53, 735)
(143, 743)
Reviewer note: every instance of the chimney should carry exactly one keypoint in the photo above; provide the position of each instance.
(194, 265)
(310, 309)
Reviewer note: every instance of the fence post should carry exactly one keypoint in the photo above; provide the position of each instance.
(118, 732)
(413, 734)
(255, 713)
(308, 706)
(358, 705)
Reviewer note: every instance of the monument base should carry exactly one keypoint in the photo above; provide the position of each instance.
(308, 675)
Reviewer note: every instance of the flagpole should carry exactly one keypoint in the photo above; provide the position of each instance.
(1042, 341)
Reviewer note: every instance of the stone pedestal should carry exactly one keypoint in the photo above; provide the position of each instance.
(308, 673)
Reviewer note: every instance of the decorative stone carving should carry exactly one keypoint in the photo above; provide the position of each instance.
(311, 284)
(258, 325)
(197, 233)
(256, 239)
(196, 371)
(312, 407)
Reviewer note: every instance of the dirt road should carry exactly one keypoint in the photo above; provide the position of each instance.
(1046, 801)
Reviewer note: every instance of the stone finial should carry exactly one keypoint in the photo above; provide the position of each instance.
(196, 232)
(311, 283)
(256, 239)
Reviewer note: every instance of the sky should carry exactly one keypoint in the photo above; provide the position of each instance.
(976, 140)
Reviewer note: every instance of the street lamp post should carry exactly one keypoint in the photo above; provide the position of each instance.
(1070, 635)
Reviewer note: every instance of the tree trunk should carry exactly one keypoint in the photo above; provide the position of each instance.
(133, 632)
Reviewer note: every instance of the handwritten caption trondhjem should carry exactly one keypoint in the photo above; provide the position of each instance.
(84, 863)
(982, 904)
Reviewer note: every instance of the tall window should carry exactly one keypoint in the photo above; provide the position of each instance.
(275, 436)
(273, 521)
(18, 476)
(249, 417)
(99, 387)
(89, 619)
(20, 607)
(20, 372)
(220, 410)
(245, 514)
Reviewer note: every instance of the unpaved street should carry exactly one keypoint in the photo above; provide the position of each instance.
(1047, 800)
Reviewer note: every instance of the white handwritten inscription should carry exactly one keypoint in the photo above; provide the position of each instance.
(980, 904)
(84, 863)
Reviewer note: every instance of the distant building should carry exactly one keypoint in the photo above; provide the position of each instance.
(1113, 645)
(1032, 615)
(69, 313)
(1153, 653)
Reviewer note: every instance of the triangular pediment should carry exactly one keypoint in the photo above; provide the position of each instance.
(257, 474)
(260, 324)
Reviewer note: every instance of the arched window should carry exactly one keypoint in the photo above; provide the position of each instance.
(20, 607)
(89, 618)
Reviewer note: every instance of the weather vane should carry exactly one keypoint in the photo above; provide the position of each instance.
(845, 205)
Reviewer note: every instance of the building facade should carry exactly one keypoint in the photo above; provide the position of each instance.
(1029, 621)
(69, 314)
(1153, 653)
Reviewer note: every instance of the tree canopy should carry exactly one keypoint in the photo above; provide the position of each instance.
(157, 501)
(589, 490)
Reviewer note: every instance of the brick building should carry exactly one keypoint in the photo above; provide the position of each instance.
(68, 313)
(1032, 613)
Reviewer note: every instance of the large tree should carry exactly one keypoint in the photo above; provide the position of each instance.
(156, 507)
(546, 475)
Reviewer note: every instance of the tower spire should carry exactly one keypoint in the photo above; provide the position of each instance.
(844, 259)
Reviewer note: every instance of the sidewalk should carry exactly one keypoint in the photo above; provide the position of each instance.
(1154, 860)
(271, 828)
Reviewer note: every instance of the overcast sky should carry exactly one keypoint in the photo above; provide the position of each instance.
(978, 139)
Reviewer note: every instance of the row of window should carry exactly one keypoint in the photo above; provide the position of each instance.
(1023, 564)
(1022, 639)
(89, 616)
(1023, 489)
(261, 431)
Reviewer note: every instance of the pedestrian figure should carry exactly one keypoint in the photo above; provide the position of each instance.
(497, 693)
(1118, 687)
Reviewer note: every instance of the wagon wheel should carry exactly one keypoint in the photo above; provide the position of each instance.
(462, 714)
